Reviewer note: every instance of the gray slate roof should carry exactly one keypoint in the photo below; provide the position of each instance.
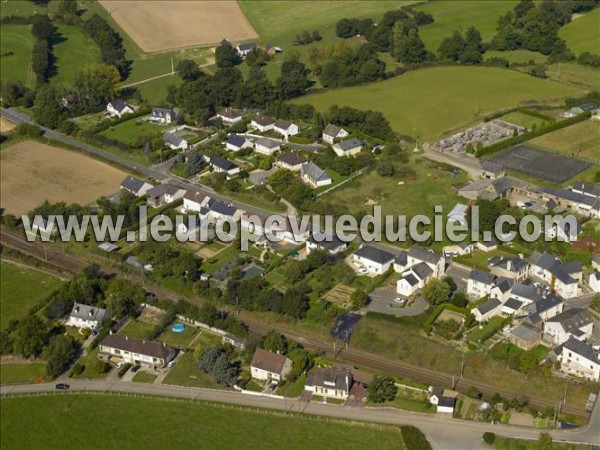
(222, 163)
(132, 184)
(331, 377)
(291, 158)
(482, 277)
(267, 143)
(162, 189)
(489, 305)
(424, 255)
(374, 254)
(263, 120)
(422, 270)
(86, 312)
(314, 172)
(162, 112)
(581, 348)
(236, 140)
(140, 346)
(332, 130)
(349, 144)
(572, 319)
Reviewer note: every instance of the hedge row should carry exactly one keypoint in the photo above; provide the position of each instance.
(515, 140)
(106, 124)
(539, 115)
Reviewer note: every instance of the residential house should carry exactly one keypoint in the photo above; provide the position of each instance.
(416, 255)
(594, 281)
(269, 366)
(580, 359)
(193, 201)
(596, 261)
(236, 142)
(162, 116)
(85, 316)
(132, 350)
(220, 164)
(118, 108)
(285, 128)
(480, 283)
(244, 49)
(350, 147)
(290, 161)
(509, 267)
(486, 310)
(444, 399)
(491, 170)
(136, 186)
(458, 249)
(229, 116)
(174, 141)
(502, 288)
(262, 123)
(266, 146)
(216, 210)
(414, 279)
(314, 175)
(329, 243)
(163, 194)
(277, 230)
(487, 245)
(526, 293)
(331, 382)
(549, 269)
(574, 323)
(545, 309)
(375, 260)
(332, 132)
(583, 200)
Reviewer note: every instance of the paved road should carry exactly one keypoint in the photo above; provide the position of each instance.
(469, 164)
(156, 172)
(442, 431)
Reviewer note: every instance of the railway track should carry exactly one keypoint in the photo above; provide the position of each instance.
(347, 355)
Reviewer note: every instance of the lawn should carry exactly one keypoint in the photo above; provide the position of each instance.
(137, 329)
(22, 288)
(165, 423)
(450, 16)
(481, 333)
(461, 95)
(504, 443)
(478, 258)
(292, 388)
(211, 265)
(179, 340)
(21, 373)
(185, 373)
(90, 363)
(144, 377)
(583, 34)
(155, 91)
(133, 132)
(18, 40)
(576, 75)
(581, 140)
(73, 50)
(26, 8)
(432, 186)
(523, 120)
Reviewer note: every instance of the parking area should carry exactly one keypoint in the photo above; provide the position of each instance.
(258, 177)
(385, 300)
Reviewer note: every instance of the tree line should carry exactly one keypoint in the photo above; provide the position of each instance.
(110, 43)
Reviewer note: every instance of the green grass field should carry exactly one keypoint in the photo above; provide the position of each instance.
(92, 422)
(576, 75)
(455, 15)
(73, 51)
(441, 99)
(517, 56)
(131, 131)
(22, 288)
(26, 8)
(21, 373)
(144, 377)
(90, 362)
(582, 140)
(185, 373)
(181, 340)
(137, 329)
(583, 34)
(522, 119)
(18, 40)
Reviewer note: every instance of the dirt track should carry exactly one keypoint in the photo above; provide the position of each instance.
(33, 172)
(166, 25)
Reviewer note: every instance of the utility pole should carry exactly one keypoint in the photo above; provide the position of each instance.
(172, 66)
(45, 253)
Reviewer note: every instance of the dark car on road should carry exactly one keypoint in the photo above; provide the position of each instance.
(135, 368)
(62, 386)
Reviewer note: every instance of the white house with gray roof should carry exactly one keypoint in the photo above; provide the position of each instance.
(594, 281)
(486, 310)
(262, 123)
(549, 269)
(162, 116)
(136, 186)
(414, 279)
(374, 259)
(480, 283)
(174, 141)
(229, 116)
(285, 128)
(85, 316)
(118, 107)
(266, 146)
(579, 359)
(236, 142)
(314, 175)
(416, 255)
(574, 323)
(333, 132)
(350, 147)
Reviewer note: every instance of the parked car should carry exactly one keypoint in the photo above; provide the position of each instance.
(135, 368)
(171, 364)
(120, 364)
(62, 386)
(399, 300)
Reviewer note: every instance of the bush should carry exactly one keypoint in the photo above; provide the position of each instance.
(489, 438)
(77, 369)
(102, 366)
(414, 438)
(123, 370)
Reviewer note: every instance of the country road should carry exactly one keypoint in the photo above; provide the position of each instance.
(348, 355)
(442, 431)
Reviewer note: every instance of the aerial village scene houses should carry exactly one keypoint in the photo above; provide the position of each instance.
(248, 139)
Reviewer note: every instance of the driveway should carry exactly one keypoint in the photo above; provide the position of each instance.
(258, 177)
(459, 275)
(382, 301)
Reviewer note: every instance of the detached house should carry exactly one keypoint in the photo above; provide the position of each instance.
(118, 108)
(552, 271)
(236, 142)
(136, 186)
(229, 116)
(487, 310)
(220, 164)
(132, 350)
(163, 194)
(513, 267)
(331, 133)
(329, 243)
(215, 210)
(480, 283)
(573, 323)
(414, 279)
(594, 281)
(162, 116)
(350, 147)
(417, 255)
(174, 142)
(333, 382)
(276, 229)
(375, 260)
(314, 175)
(244, 49)
(193, 201)
(85, 316)
(290, 161)
(262, 123)
(266, 146)
(285, 128)
(579, 359)
(269, 366)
